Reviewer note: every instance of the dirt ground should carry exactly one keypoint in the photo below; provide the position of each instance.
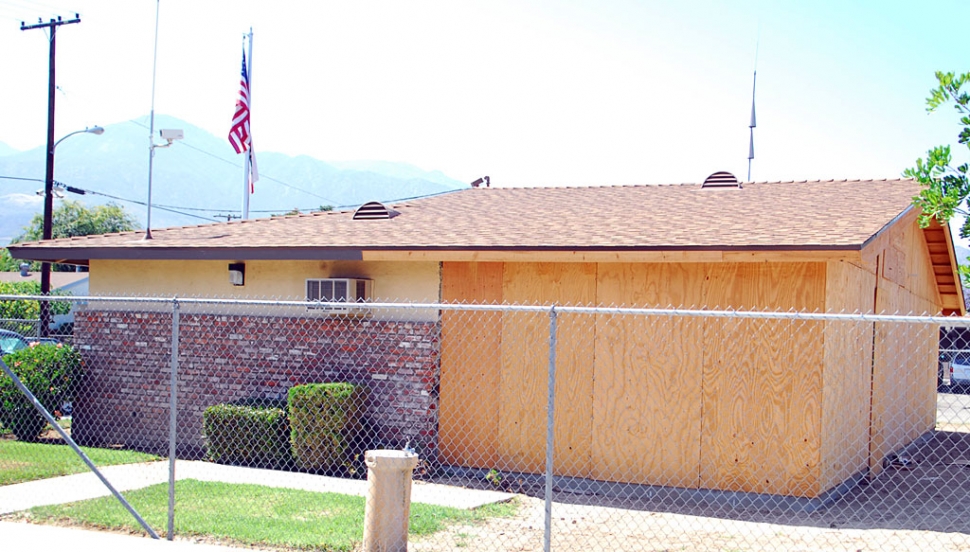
(922, 506)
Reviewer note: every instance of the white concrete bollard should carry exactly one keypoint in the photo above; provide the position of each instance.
(388, 503)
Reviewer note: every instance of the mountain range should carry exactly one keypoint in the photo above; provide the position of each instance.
(196, 180)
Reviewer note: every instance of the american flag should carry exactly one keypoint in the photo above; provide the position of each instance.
(239, 135)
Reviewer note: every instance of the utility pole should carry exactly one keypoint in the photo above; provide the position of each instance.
(45, 268)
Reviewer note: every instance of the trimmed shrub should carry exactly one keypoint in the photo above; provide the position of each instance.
(50, 372)
(248, 433)
(324, 417)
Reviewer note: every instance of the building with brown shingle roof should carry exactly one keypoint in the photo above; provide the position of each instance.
(846, 396)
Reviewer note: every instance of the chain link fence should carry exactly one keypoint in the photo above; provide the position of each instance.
(28, 327)
(591, 428)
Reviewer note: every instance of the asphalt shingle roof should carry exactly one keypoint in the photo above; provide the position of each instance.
(762, 215)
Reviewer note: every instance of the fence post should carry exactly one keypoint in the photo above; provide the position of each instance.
(173, 418)
(550, 427)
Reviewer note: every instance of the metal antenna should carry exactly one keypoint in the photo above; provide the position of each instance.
(753, 123)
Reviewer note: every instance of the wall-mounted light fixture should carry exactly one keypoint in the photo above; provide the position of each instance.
(237, 274)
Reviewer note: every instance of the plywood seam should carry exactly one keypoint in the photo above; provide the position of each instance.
(860, 266)
(872, 368)
(703, 420)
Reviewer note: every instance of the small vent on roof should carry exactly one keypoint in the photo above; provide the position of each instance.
(374, 210)
(721, 179)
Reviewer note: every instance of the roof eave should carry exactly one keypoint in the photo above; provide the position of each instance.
(700, 253)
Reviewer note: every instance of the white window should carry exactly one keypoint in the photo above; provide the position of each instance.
(339, 290)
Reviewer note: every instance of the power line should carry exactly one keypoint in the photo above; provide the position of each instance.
(136, 202)
(208, 210)
(192, 208)
(233, 163)
(22, 11)
(81, 191)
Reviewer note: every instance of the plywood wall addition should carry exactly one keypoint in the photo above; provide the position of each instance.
(525, 364)
(471, 345)
(846, 381)
(659, 285)
(647, 392)
(939, 244)
(762, 382)
(905, 355)
(919, 266)
(904, 374)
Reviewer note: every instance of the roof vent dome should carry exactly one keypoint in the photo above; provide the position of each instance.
(374, 210)
(721, 179)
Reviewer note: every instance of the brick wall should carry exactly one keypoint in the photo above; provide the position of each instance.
(124, 394)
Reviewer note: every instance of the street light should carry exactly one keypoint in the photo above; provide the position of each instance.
(96, 130)
(45, 267)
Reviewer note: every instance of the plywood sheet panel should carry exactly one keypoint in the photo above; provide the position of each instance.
(660, 285)
(923, 281)
(905, 260)
(763, 382)
(525, 363)
(927, 362)
(904, 374)
(471, 344)
(647, 391)
(846, 380)
(766, 286)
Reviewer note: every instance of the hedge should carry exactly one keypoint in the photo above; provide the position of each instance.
(248, 433)
(324, 419)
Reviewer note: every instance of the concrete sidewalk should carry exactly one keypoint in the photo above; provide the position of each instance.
(27, 536)
(84, 486)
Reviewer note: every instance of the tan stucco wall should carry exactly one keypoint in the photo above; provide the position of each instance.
(280, 280)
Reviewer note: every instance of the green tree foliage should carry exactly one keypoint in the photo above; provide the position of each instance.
(72, 219)
(8, 263)
(51, 373)
(297, 211)
(945, 186)
(69, 220)
(22, 309)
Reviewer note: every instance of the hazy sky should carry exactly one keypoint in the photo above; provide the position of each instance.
(528, 92)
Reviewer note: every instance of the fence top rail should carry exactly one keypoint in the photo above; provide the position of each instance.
(949, 321)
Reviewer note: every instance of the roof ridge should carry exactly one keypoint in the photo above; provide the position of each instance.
(673, 184)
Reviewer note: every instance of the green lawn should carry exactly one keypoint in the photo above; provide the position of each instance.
(21, 461)
(255, 515)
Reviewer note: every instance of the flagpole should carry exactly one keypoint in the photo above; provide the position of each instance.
(247, 166)
(151, 128)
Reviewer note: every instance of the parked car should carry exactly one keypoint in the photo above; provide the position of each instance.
(960, 370)
(11, 342)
